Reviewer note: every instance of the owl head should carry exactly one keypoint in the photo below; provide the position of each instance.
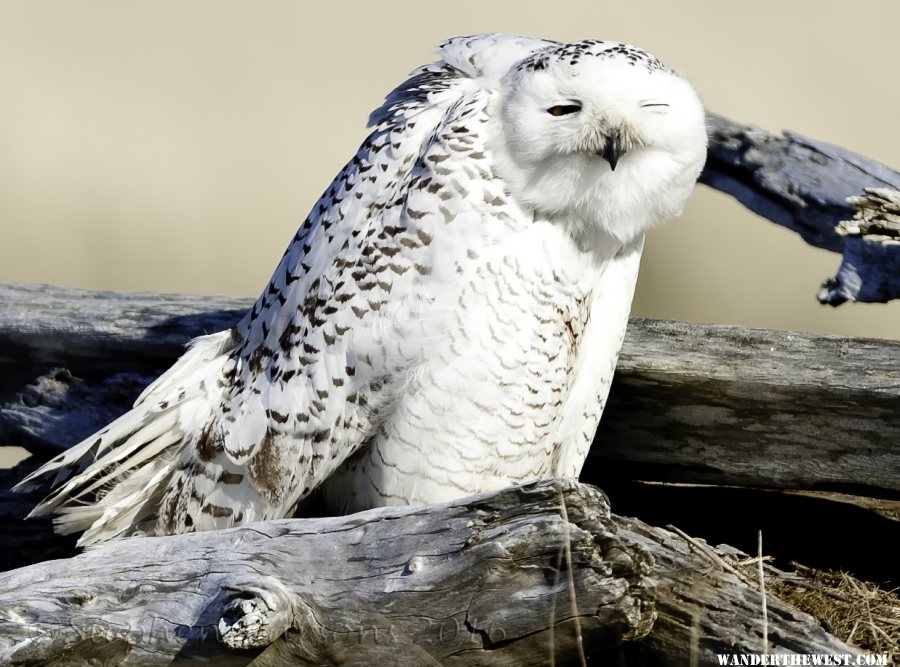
(600, 136)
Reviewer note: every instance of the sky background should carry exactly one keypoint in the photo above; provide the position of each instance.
(176, 146)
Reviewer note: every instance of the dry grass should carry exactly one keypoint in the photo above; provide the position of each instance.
(859, 613)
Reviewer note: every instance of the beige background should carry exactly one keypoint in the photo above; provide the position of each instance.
(175, 146)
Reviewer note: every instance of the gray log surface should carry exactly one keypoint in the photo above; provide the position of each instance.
(690, 403)
(871, 239)
(811, 186)
(494, 579)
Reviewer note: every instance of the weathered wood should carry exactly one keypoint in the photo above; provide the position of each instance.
(871, 239)
(690, 403)
(750, 407)
(704, 609)
(481, 581)
(89, 354)
(805, 185)
(43, 325)
(484, 580)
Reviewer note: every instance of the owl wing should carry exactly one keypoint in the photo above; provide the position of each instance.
(250, 420)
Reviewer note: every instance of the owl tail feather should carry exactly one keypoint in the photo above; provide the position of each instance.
(110, 485)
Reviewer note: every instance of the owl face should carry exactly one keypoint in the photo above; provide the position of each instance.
(607, 136)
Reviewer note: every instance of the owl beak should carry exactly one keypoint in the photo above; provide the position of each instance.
(613, 150)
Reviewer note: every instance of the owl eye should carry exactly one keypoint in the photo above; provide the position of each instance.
(564, 109)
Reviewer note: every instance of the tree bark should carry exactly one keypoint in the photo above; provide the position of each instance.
(506, 578)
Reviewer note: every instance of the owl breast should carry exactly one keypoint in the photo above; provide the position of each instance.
(503, 389)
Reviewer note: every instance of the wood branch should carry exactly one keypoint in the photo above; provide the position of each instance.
(872, 238)
(690, 403)
(494, 579)
(807, 185)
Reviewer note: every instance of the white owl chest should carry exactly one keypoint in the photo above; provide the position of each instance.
(514, 361)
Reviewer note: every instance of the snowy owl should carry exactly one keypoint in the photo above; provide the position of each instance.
(447, 319)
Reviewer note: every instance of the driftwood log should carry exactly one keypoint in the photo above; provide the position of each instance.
(510, 578)
(811, 187)
(527, 575)
(691, 403)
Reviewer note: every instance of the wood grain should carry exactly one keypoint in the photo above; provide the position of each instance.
(479, 581)
(690, 403)
(809, 187)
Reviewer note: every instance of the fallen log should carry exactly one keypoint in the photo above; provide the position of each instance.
(690, 403)
(522, 576)
(810, 187)
(756, 408)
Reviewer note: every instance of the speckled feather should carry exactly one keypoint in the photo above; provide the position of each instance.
(429, 333)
